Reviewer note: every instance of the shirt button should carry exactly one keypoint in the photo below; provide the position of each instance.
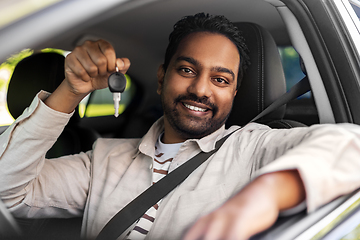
(151, 166)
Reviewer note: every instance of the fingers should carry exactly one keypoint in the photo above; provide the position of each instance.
(108, 57)
(249, 212)
(197, 230)
(123, 64)
(73, 66)
(214, 227)
(94, 59)
(87, 68)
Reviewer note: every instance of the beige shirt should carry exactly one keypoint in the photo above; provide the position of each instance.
(100, 182)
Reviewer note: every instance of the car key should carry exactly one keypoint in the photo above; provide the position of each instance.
(117, 84)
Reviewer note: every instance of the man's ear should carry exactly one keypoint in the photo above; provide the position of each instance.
(160, 76)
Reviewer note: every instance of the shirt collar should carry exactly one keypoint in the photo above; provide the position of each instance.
(206, 144)
(147, 143)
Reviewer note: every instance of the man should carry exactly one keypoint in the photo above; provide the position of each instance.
(203, 67)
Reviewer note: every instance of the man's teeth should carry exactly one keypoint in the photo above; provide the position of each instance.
(194, 108)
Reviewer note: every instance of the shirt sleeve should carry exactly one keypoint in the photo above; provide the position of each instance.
(326, 156)
(28, 180)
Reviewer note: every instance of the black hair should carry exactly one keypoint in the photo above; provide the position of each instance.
(202, 22)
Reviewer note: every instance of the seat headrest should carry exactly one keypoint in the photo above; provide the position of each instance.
(40, 71)
(264, 80)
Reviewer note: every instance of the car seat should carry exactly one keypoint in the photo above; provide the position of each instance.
(45, 71)
(263, 83)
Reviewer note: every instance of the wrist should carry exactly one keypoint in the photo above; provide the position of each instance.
(256, 206)
(63, 99)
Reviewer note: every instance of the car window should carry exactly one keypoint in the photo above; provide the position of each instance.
(291, 63)
(6, 70)
(356, 6)
(303, 108)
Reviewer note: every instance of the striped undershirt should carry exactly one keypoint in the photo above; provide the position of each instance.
(164, 153)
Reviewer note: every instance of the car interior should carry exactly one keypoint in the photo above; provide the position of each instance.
(139, 30)
(264, 82)
(145, 48)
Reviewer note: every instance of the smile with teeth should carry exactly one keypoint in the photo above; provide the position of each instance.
(194, 108)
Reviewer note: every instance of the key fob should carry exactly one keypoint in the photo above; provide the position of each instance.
(117, 82)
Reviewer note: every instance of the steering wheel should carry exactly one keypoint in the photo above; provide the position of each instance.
(8, 225)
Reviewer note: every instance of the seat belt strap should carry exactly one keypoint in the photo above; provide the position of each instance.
(302, 87)
(137, 207)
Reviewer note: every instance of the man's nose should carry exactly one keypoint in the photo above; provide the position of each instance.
(201, 86)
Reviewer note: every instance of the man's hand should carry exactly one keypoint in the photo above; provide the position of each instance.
(254, 209)
(87, 68)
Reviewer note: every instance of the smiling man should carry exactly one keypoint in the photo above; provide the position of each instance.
(239, 191)
(198, 86)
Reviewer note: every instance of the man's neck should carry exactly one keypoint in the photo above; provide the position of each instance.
(170, 135)
(171, 138)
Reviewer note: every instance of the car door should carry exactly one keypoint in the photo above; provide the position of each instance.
(326, 35)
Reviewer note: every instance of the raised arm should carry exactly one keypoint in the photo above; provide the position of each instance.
(87, 68)
(27, 179)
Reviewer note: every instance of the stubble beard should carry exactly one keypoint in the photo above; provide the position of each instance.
(192, 127)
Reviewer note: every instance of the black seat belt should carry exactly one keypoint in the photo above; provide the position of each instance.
(136, 208)
(302, 87)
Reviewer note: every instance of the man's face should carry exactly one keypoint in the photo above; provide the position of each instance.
(199, 86)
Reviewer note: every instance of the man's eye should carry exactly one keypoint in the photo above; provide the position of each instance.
(186, 70)
(221, 80)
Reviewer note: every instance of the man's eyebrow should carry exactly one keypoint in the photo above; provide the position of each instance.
(189, 60)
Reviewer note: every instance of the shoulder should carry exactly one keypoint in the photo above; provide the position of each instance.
(116, 141)
(251, 129)
(108, 145)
